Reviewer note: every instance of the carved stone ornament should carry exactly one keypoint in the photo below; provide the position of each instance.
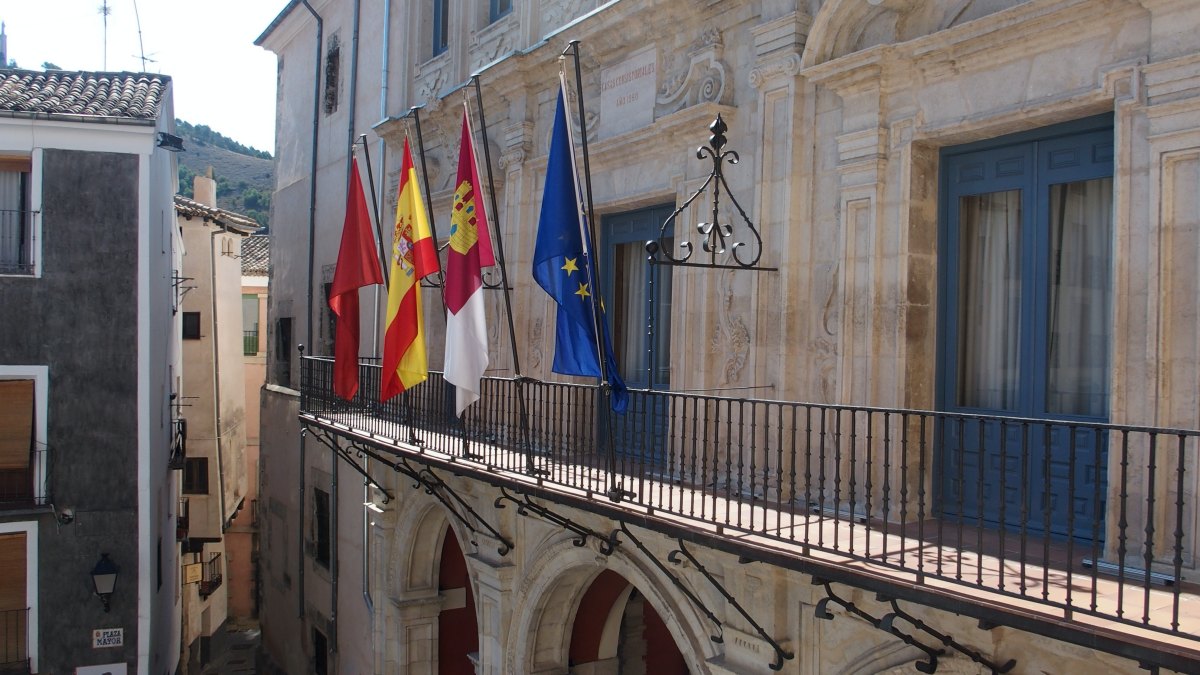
(785, 67)
(702, 79)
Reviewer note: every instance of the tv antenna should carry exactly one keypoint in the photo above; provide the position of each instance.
(141, 46)
(105, 10)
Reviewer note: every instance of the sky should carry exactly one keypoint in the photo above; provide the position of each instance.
(220, 77)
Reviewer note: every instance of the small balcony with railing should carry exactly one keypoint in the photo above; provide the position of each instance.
(14, 641)
(1061, 527)
(183, 519)
(212, 575)
(23, 480)
(250, 342)
(16, 242)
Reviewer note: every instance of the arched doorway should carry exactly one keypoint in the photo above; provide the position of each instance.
(616, 630)
(458, 634)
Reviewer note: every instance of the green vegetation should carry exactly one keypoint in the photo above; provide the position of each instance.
(201, 133)
(244, 176)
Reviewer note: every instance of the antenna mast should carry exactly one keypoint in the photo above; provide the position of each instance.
(104, 12)
(141, 46)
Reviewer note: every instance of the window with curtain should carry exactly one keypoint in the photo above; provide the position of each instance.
(16, 219)
(1030, 227)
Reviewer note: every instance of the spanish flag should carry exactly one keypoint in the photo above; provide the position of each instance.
(413, 257)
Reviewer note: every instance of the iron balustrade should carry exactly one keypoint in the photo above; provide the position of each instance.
(25, 485)
(901, 489)
(182, 519)
(14, 634)
(250, 342)
(212, 576)
(16, 241)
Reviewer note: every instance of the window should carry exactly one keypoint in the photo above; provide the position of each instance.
(250, 324)
(283, 351)
(332, 66)
(191, 325)
(441, 26)
(16, 217)
(499, 9)
(17, 422)
(321, 548)
(195, 476)
(320, 652)
(328, 321)
(1026, 284)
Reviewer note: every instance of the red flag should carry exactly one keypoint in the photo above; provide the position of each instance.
(357, 266)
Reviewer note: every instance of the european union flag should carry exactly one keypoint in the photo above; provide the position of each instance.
(562, 267)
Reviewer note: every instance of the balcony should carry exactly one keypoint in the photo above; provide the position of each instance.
(250, 342)
(25, 486)
(178, 456)
(182, 519)
(14, 641)
(212, 577)
(1088, 531)
(16, 242)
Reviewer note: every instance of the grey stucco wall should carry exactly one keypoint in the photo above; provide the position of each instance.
(80, 320)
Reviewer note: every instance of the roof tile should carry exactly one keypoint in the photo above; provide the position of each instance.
(128, 95)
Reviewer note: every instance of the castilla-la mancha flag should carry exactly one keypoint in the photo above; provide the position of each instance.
(470, 250)
(414, 256)
(357, 266)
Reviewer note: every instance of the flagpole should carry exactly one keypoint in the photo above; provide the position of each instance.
(585, 221)
(512, 333)
(375, 208)
(615, 492)
(415, 111)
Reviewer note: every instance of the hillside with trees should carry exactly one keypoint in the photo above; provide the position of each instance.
(245, 176)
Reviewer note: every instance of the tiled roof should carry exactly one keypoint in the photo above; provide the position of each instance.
(190, 208)
(57, 92)
(256, 255)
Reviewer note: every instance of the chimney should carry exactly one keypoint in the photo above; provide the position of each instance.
(204, 189)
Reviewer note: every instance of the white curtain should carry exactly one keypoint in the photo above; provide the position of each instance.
(12, 220)
(629, 318)
(1079, 290)
(989, 300)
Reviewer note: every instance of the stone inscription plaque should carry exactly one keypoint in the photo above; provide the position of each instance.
(627, 93)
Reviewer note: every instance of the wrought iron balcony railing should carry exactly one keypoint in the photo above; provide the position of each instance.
(250, 342)
(25, 485)
(213, 576)
(183, 519)
(1066, 516)
(14, 639)
(16, 242)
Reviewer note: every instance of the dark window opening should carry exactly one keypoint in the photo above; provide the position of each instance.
(320, 652)
(441, 26)
(321, 527)
(332, 66)
(195, 476)
(330, 321)
(158, 563)
(499, 9)
(283, 351)
(191, 325)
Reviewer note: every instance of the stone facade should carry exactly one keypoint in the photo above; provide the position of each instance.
(840, 111)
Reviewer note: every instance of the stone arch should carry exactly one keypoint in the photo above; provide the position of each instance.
(413, 568)
(843, 27)
(552, 589)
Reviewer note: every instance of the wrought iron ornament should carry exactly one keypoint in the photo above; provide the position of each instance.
(716, 233)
